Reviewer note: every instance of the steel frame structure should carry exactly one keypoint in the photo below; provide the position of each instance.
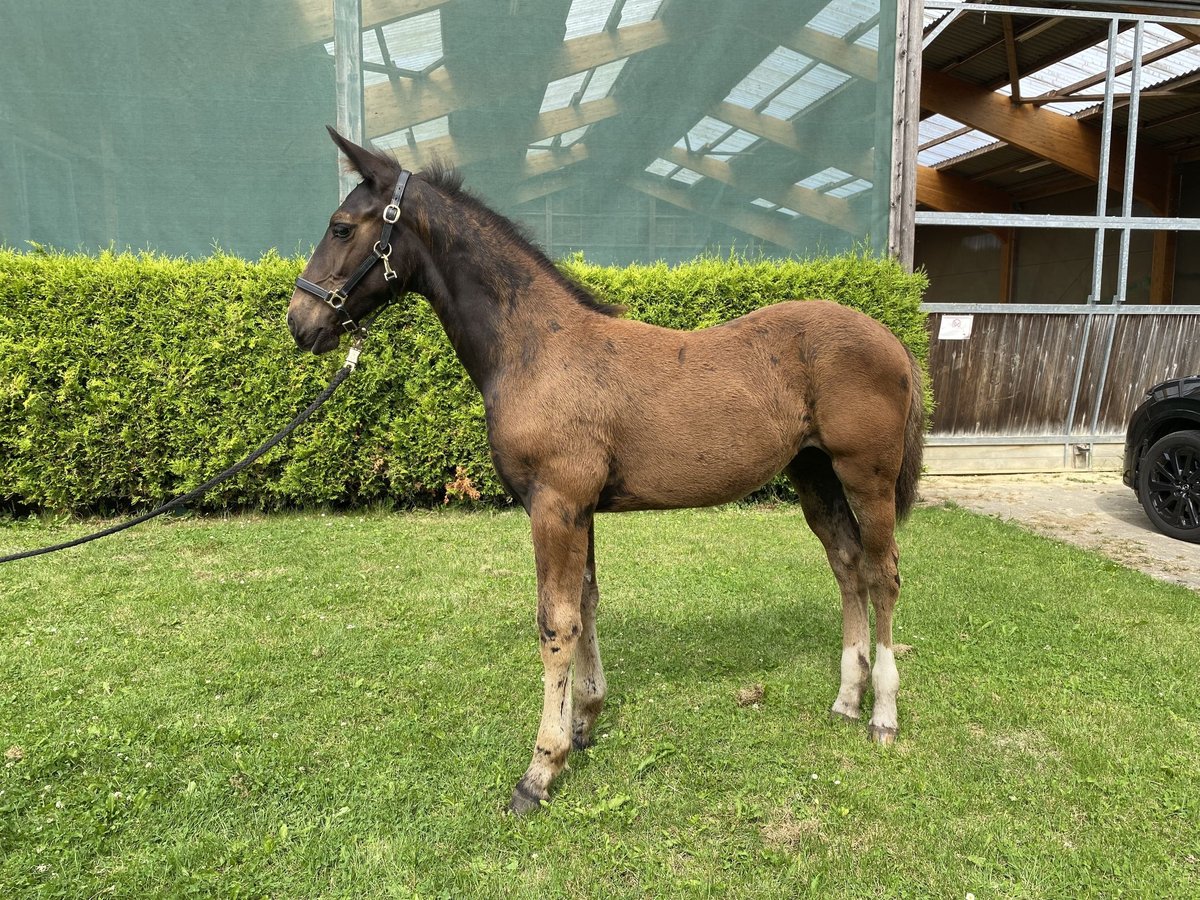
(1100, 223)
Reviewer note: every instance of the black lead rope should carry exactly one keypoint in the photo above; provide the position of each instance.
(341, 375)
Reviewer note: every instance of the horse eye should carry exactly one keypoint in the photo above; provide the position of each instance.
(341, 232)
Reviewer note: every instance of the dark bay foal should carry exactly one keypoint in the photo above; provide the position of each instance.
(588, 412)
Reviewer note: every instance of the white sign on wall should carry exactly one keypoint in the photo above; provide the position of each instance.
(955, 328)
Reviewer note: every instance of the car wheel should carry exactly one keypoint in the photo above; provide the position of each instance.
(1169, 485)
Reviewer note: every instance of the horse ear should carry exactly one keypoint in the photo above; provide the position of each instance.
(366, 163)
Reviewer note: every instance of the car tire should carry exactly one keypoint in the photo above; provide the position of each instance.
(1169, 485)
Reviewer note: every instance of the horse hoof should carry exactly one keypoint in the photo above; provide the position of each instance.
(524, 800)
(842, 716)
(882, 734)
(581, 741)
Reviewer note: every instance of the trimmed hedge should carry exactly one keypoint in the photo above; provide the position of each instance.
(126, 379)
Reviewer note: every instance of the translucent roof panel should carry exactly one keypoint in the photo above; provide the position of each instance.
(737, 142)
(869, 39)
(824, 178)
(602, 80)
(567, 138)
(414, 43)
(1093, 61)
(687, 176)
(938, 126)
(635, 12)
(857, 186)
(661, 167)
(814, 84)
(561, 92)
(703, 134)
(588, 17)
(841, 17)
(765, 204)
(425, 131)
(780, 66)
(434, 128)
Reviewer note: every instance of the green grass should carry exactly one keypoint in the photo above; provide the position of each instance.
(338, 706)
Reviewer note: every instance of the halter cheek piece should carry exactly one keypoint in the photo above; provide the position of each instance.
(381, 252)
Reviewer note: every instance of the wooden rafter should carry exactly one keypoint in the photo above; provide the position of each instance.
(947, 192)
(1060, 139)
(393, 106)
(556, 121)
(316, 16)
(786, 134)
(861, 62)
(1014, 67)
(813, 204)
(763, 225)
(552, 160)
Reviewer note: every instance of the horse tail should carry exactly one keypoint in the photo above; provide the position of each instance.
(914, 443)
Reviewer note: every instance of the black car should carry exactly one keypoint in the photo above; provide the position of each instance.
(1162, 457)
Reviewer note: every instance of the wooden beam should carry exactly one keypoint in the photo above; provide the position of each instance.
(448, 150)
(593, 50)
(552, 160)
(1008, 263)
(861, 62)
(750, 221)
(947, 192)
(556, 121)
(1162, 255)
(785, 134)
(543, 186)
(316, 16)
(1010, 51)
(830, 210)
(392, 106)
(1059, 139)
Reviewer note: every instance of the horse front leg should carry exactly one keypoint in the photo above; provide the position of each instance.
(560, 548)
(589, 685)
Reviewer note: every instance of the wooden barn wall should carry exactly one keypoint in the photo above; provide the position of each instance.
(1014, 375)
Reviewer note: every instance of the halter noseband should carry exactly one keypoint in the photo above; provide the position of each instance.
(382, 251)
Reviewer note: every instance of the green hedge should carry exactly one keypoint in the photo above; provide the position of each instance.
(127, 379)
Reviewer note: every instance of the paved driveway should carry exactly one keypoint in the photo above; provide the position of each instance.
(1092, 510)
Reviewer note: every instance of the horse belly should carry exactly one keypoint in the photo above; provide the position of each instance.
(701, 466)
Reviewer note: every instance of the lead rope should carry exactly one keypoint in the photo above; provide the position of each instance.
(339, 376)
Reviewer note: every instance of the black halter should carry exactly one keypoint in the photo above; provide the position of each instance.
(382, 251)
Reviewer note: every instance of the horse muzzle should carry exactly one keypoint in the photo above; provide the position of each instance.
(305, 320)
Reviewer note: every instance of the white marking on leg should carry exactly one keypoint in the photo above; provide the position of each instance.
(855, 669)
(886, 680)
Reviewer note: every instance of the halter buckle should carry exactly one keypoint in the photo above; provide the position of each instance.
(384, 255)
(336, 299)
(391, 213)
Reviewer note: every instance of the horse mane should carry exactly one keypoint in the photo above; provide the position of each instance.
(449, 181)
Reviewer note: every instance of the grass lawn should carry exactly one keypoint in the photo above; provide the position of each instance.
(339, 705)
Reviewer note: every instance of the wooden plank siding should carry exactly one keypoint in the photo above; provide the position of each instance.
(1014, 375)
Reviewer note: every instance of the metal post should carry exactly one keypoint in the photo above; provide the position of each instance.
(1098, 249)
(1135, 92)
(347, 61)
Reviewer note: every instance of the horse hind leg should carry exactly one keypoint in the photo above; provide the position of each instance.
(588, 686)
(829, 515)
(870, 489)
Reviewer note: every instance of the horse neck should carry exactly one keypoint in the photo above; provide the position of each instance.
(492, 298)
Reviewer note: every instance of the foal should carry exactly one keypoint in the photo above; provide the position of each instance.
(587, 413)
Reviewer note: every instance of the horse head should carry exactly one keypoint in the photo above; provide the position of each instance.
(365, 259)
